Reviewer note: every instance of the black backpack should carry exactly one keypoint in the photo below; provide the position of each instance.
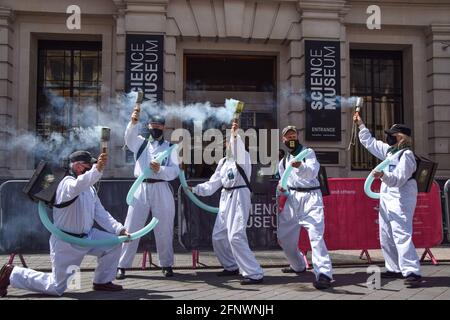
(425, 172)
(43, 184)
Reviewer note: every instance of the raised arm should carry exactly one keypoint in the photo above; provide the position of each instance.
(132, 138)
(243, 157)
(70, 187)
(376, 147)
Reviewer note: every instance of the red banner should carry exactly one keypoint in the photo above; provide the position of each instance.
(351, 217)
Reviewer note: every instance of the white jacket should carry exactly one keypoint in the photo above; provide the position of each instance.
(79, 217)
(169, 168)
(398, 191)
(304, 176)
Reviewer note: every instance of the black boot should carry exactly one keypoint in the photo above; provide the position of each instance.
(391, 275)
(413, 280)
(322, 283)
(290, 270)
(228, 273)
(167, 272)
(248, 281)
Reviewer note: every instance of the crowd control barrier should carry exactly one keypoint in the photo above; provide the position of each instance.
(351, 219)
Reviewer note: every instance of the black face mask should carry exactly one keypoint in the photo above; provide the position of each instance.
(156, 133)
(292, 144)
(391, 140)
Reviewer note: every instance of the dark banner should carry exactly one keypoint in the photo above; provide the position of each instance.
(323, 90)
(145, 65)
(196, 225)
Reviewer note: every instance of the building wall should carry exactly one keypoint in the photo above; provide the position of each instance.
(420, 29)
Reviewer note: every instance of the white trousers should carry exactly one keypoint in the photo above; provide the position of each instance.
(396, 228)
(304, 209)
(158, 199)
(229, 236)
(65, 257)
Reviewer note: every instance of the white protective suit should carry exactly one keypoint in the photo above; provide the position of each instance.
(229, 234)
(77, 218)
(155, 197)
(398, 196)
(304, 209)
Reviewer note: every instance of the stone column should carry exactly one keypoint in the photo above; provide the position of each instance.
(319, 20)
(438, 94)
(6, 74)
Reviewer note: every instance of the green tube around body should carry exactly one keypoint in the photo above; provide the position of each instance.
(88, 242)
(147, 173)
(194, 199)
(370, 178)
(287, 171)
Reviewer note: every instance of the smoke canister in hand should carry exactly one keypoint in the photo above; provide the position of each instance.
(139, 99)
(104, 138)
(358, 104)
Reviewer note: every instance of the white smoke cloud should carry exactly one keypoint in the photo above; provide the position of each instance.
(89, 119)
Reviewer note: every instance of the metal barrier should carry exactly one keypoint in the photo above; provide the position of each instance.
(21, 229)
(351, 219)
(22, 232)
(447, 207)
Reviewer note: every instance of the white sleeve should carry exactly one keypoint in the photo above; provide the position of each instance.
(309, 167)
(243, 157)
(376, 147)
(212, 185)
(105, 220)
(281, 167)
(402, 172)
(70, 188)
(171, 170)
(238, 146)
(132, 138)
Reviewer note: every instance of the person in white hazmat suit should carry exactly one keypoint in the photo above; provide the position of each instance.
(398, 197)
(77, 220)
(229, 236)
(303, 208)
(154, 194)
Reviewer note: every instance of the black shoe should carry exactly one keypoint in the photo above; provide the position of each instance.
(167, 272)
(5, 274)
(247, 281)
(106, 287)
(120, 274)
(391, 275)
(228, 273)
(324, 282)
(290, 270)
(413, 280)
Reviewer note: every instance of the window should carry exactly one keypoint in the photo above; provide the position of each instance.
(229, 73)
(215, 77)
(377, 77)
(69, 79)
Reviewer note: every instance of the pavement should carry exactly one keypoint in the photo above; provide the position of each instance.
(350, 277)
